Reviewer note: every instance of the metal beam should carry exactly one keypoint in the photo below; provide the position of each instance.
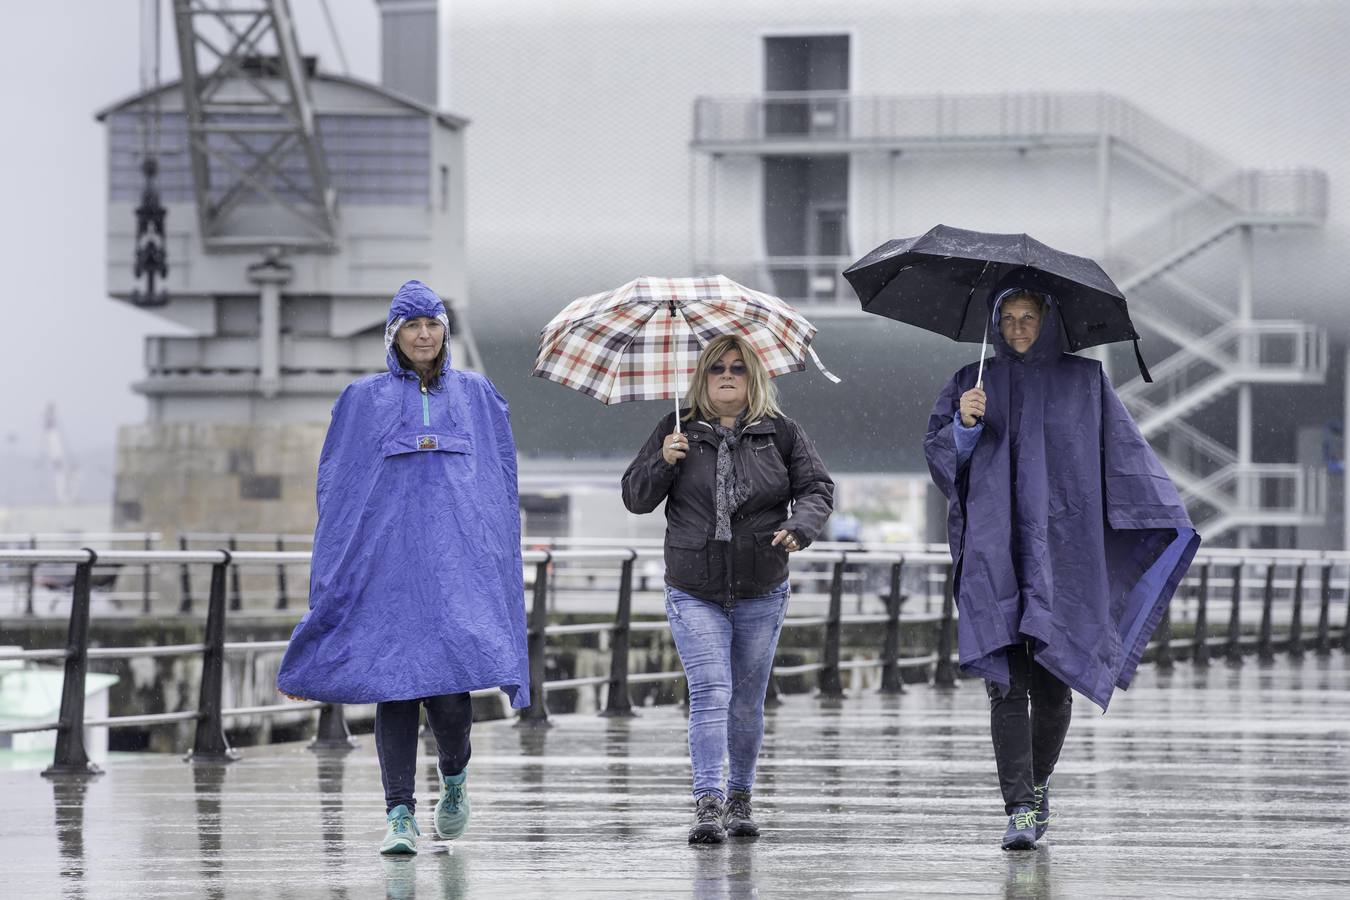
(251, 53)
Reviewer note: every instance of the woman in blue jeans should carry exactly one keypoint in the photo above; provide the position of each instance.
(743, 487)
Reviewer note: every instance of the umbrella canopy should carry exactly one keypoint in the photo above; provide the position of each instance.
(941, 281)
(641, 341)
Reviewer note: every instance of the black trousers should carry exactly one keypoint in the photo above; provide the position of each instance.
(1027, 745)
(450, 717)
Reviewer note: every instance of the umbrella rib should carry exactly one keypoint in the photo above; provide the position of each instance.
(965, 312)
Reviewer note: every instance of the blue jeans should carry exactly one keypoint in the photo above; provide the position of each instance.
(727, 651)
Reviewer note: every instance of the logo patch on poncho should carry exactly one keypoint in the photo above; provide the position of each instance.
(426, 442)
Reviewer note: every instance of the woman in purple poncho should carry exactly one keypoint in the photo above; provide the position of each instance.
(1068, 539)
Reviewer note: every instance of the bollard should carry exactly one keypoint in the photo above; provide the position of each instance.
(1324, 614)
(537, 712)
(1162, 656)
(891, 682)
(185, 579)
(1296, 617)
(210, 744)
(236, 598)
(1265, 650)
(1234, 649)
(146, 575)
(332, 733)
(944, 674)
(617, 701)
(71, 757)
(30, 579)
(830, 683)
(1200, 650)
(282, 600)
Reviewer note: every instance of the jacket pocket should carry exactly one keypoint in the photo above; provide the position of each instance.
(687, 558)
(771, 563)
(426, 441)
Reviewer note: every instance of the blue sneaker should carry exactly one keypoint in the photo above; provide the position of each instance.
(1042, 808)
(452, 808)
(1021, 833)
(402, 834)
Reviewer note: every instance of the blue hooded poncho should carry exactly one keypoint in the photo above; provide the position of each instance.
(416, 584)
(1064, 529)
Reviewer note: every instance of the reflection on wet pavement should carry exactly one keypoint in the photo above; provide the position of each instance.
(1219, 782)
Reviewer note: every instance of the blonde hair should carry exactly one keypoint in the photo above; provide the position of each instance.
(761, 395)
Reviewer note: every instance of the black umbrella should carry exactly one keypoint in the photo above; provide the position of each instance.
(941, 281)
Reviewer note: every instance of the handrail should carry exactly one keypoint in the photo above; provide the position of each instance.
(210, 742)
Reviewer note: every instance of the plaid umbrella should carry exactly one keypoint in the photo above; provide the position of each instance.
(640, 341)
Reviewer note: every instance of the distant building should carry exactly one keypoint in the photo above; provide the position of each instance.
(297, 202)
(777, 142)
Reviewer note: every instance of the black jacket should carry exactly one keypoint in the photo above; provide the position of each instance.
(747, 566)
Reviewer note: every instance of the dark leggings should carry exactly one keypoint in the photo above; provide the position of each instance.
(450, 717)
(1026, 747)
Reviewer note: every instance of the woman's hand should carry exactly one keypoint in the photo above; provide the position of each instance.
(787, 539)
(972, 406)
(674, 447)
(292, 696)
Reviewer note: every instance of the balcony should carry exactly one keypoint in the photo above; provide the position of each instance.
(803, 281)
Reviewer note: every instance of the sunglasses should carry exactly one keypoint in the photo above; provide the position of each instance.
(737, 368)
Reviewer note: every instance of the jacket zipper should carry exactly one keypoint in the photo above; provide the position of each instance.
(426, 408)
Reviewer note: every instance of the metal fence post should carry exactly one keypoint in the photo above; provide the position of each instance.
(1345, 631)
(236, 598)
(332, 733)
(185, 579)
(891, 682)
(71, 757)
(1296, 616)
(1234, 649)
(146, 575)
(617, 701)
(944, 674)
(210, 743)
(1324, 614)
(282, 600)
(1200, 650)
(1265, 650)
(30, 579)
(537, 712)
(830, 683)
(1162, 655)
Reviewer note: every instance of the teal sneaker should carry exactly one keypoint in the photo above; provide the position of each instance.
(452, 807)
(402, 835)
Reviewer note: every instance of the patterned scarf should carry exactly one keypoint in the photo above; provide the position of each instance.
(729, 494)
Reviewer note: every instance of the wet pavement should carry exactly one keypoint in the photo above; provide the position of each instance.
(1198, 783)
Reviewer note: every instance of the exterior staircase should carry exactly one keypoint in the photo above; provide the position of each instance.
(1215, 347)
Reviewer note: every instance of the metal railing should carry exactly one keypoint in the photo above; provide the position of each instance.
(882, 120)
(1300, 571)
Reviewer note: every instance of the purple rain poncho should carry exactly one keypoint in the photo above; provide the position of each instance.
(416, 584)
(1064, 528)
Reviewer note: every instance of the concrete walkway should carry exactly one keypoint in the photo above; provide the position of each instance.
(1199, 783)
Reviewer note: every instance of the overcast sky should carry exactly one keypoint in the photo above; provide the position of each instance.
(61, 339)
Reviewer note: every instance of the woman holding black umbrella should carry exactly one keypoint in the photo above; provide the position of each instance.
(743, 487)
(1068, 539)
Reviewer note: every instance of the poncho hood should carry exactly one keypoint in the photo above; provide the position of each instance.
(413, 299)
